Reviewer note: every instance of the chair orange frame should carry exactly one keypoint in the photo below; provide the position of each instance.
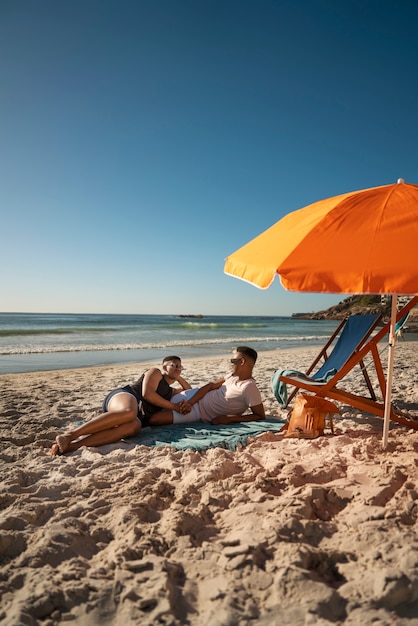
(329, 389)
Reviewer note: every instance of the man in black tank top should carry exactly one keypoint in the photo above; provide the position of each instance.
(154, 390)
(125, 407)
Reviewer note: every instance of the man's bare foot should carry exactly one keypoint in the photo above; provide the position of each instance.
(63, 441)
(55, 451)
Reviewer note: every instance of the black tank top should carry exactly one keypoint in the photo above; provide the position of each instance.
(164, 390)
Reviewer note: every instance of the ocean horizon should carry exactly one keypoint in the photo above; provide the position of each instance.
(50, 341)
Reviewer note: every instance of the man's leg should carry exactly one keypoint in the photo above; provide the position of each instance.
(104, 437)
(123, 409)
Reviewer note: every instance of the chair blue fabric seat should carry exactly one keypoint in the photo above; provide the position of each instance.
(356, 328)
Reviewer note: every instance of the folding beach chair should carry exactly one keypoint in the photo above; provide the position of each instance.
(348, 337)
(344, 357)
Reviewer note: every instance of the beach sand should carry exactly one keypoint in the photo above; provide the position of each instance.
(279, 532)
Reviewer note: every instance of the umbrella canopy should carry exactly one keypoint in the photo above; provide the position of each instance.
(359, 242)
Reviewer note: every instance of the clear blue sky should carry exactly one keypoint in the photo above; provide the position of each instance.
(143, 141)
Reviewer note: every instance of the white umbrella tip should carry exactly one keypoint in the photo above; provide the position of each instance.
(400, 180)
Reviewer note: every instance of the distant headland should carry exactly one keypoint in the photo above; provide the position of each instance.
(361, 305)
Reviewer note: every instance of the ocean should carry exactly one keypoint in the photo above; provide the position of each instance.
(50, 341)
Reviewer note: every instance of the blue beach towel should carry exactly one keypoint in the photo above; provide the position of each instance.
(279, 388)
(200, 436)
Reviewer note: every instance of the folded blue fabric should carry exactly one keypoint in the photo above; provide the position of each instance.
(200, 436)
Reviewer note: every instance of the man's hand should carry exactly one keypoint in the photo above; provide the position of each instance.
(183, 407)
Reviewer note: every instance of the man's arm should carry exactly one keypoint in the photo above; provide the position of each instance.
(151, 381)
(205, 389)
(185, 406)
(258, 413)
(183, 383)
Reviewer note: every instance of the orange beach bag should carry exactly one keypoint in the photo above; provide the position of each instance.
(308, 417)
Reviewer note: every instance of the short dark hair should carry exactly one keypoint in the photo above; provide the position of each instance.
(248, 352)
(171, 358)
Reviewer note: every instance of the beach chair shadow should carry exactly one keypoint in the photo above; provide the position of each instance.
(355, 340)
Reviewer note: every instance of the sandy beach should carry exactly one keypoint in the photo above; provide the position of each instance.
(279, 532)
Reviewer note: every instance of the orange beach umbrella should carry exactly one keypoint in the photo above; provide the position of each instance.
(360, 242)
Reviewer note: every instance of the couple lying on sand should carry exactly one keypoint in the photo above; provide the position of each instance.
(153, 401)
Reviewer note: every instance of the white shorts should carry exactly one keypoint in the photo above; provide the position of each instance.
(194, 415)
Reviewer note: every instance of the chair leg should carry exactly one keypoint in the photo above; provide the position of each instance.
(292, 395)
(367, 379)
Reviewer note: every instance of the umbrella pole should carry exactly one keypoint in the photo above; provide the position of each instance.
(388, 397)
